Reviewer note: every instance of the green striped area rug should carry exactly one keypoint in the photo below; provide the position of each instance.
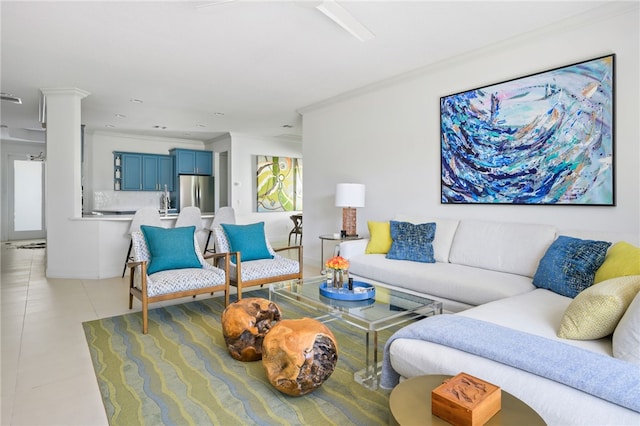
(181, 373)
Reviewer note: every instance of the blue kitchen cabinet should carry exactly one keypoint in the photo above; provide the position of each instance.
(193, 162)
(131, 172)
(165, 172)
(142, 172)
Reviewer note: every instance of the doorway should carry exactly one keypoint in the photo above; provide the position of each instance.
(26, 199)
(223, 179)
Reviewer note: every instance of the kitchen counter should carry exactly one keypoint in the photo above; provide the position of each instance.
(106, 240)
(128, 217)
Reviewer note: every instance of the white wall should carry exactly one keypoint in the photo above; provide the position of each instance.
(242, 159)
(387, 136)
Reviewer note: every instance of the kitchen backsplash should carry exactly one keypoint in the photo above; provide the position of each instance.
(125, 200)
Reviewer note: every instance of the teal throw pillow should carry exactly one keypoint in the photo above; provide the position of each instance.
(569, 265)
(412, 242)
(249, 240)
(170, 248)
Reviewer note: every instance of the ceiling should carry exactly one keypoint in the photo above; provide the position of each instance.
(238, 66)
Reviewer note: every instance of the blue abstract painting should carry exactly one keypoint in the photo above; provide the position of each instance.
(542, 139)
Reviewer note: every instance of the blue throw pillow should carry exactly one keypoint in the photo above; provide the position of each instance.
(249, 240)
(412, 242)
(170, 248)
(569, 265)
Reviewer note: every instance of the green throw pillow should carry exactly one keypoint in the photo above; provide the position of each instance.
(170, 248)
(379, 238)
(622, 259)
(249, 240)
(596, 311)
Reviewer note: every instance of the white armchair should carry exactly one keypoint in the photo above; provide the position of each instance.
(245, 273)
(176, 280)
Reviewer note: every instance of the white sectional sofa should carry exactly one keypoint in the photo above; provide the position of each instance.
(483, 274)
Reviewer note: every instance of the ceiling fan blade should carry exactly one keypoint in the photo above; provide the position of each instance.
(343, 18)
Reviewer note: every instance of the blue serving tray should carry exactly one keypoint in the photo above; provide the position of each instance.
(346, 294)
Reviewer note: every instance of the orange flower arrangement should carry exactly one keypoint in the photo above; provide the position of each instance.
(337, 262)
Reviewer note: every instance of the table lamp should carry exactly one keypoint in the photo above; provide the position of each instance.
(349, 196)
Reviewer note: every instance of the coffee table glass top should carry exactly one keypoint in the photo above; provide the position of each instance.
(374, 314)
(389, 308)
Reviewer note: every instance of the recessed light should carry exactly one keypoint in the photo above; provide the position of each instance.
(218, 114)
(200, 125)
(111, 126)
(136, 101)
(121, 116)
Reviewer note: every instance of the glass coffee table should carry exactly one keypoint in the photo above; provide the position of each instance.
(389, 308)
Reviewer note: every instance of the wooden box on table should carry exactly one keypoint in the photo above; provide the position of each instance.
(465, 400)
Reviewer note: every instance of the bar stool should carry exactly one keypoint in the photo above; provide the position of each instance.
(189, 216)
(144, 216)
(297, 228)
(223, 215)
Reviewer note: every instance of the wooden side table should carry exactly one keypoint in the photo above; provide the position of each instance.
(410, 404)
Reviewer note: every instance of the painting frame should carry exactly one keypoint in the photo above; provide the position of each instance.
(278, 183)
(547, 138)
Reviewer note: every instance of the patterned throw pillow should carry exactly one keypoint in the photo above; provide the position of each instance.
(379, 238)
(569, 265)
(622, 259)
(596, 311)
(412, 242)
(170, 248)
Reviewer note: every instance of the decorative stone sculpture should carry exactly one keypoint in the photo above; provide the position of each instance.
(299, 355)
(244, 325)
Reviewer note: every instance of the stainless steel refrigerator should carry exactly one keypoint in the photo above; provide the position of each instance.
(197, 191)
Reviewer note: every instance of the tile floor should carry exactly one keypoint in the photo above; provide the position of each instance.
(46, 372)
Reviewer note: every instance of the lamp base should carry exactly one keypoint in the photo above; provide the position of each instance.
(349, 221)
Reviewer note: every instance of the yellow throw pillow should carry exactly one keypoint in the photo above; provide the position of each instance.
(596, 311)
(622, 259)
(379, 238)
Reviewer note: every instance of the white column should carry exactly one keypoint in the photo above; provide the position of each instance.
(63, 192)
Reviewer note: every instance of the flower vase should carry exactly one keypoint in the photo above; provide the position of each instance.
(339, 277)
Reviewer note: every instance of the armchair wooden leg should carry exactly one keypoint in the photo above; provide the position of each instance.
(145, 317)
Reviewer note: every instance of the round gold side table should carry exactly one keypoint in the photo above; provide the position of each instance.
(410, 404)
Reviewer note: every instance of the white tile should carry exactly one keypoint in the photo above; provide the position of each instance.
(47, 374)
(74, 401)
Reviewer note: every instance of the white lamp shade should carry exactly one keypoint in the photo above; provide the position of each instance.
(350, 195)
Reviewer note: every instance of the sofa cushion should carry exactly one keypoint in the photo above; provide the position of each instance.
(538, 312)
(505, 247)
(595, 312)
(445, 231)
(570, 264)
(379, 237)
(621, 259)
(470, 286)
(412, 242)
(626, 337)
